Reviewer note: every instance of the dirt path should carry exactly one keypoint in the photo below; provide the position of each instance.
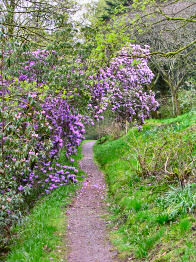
(87, 233)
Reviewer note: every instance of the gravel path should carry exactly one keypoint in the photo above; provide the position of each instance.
(87, 233)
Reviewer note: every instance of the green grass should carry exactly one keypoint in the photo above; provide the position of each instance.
(42, 235)
(145, 230)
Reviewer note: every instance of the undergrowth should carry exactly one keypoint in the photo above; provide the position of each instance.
(41, 236)
(154, 215)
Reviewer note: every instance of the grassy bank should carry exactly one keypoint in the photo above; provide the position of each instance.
(154, 215)
(42, 235)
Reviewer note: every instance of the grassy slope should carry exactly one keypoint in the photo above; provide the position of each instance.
(141, 233)
(42, 236)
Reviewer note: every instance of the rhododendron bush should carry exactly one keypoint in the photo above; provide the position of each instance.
(124, 81)
(33, 132)
(36, 126)
(45, 105)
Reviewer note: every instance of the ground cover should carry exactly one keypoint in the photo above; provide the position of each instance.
(153, 213)
(41, 236)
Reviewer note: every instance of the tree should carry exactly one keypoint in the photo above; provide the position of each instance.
(27, 19)
(141, 15)
(163, 35)
(165, 16)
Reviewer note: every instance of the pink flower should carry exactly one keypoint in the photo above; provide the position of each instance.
(17, 116)
(31, 152)
(34, 135)
(33, 95)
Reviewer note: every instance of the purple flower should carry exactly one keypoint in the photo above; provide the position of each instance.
(20, 188)
(22, 77)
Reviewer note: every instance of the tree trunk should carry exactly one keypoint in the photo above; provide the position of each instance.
(175, 102)
(10, 17)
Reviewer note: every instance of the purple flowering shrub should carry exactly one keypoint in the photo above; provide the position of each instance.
(37, 125)
(68, 128)
(36, 66)
(34, 129)
(99, 90)
(34, 133)
(130, 72)
(120, 86)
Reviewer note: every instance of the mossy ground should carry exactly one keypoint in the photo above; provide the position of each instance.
(142, 230)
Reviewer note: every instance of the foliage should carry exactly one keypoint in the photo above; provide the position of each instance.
(151, 22)
(187, 98)
(164, 34)
(35, 21)
(171, 155)
(105, 9)
(178, 201)
(36, 123)
(29, 148)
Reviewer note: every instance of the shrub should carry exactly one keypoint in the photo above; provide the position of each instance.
(114, 130)
(165, 109)
(187, 100)
(105, 128)
(33, 132)
(169, 155)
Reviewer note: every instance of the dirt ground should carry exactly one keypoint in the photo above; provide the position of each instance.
(87, 234)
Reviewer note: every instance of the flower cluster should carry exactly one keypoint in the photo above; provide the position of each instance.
(99, 90)
(67, 129)
(36, 66)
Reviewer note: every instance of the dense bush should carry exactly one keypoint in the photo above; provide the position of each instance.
(36, 124)
(124, 81)
(33, 133)
(171, 155)
(187, 100)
